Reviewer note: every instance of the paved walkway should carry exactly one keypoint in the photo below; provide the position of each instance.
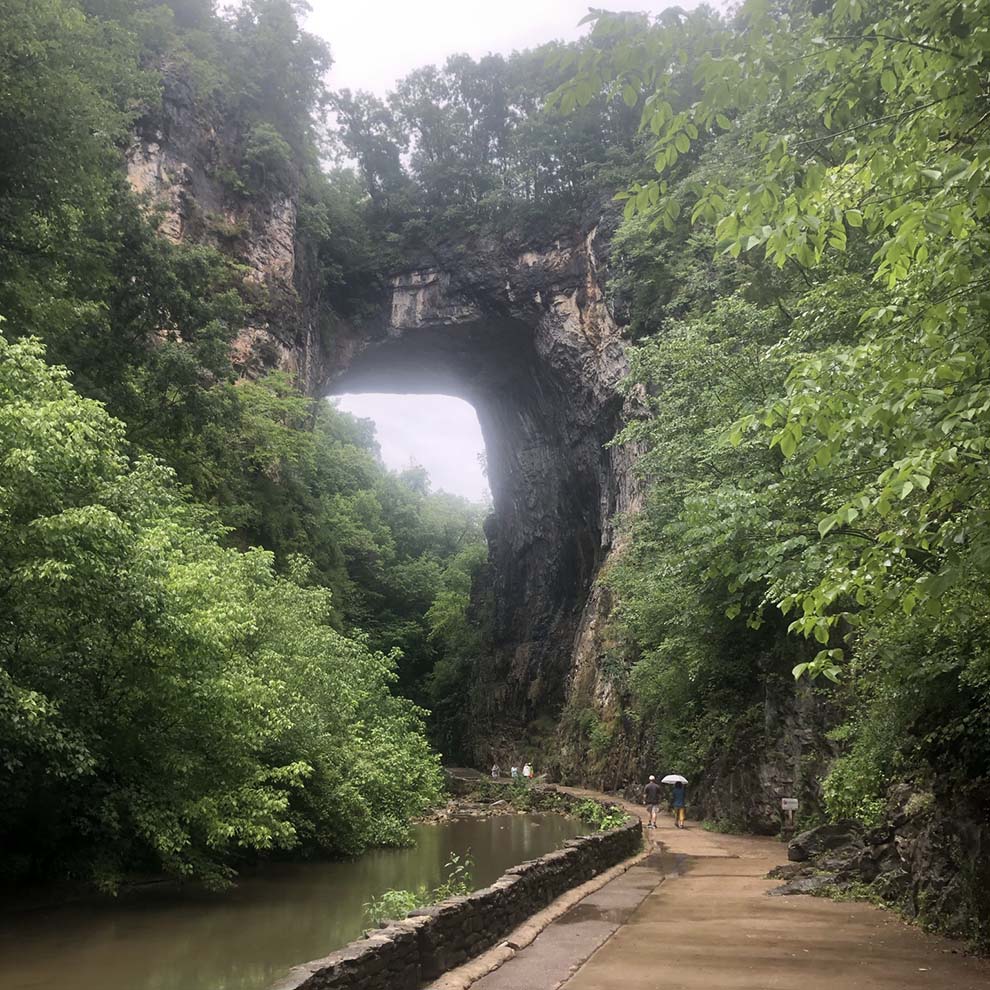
(561, 948)
(695, 915)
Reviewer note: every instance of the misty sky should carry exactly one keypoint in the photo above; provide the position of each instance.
(437, 431)
(375, 43)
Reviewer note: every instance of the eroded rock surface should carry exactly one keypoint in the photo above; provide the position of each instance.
(182, 162)
(929, 860)
(846, 836)
(529, 340)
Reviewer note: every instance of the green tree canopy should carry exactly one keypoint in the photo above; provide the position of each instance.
(165, 700)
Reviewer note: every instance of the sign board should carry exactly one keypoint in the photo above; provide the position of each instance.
(789, 804)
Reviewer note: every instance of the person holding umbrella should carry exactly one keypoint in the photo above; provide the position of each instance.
(680, 797)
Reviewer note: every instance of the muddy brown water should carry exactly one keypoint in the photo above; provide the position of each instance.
(248, 937)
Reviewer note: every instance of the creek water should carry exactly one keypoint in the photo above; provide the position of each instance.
(248, 937)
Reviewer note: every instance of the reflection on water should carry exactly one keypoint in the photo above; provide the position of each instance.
(247, 938)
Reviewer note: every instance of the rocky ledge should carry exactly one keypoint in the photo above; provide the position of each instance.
(843, 855)
(911, 863)
(490, 798)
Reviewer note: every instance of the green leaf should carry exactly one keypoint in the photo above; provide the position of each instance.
(788, 443)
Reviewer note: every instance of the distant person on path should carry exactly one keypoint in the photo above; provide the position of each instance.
(527, 771)
(495, 771)
(515, 772)
(680, 799)
(651, 798)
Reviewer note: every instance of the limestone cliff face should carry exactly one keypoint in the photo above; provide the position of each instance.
(528, 339)
(785, 752)
(181, 161)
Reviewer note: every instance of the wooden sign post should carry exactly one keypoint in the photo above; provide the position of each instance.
(789, 806)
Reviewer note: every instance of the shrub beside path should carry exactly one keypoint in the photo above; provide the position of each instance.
(693, 914)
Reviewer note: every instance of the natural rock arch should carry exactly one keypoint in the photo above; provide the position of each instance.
(529, 341)
(527, 338)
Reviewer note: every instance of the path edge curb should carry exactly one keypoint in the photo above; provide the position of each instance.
(492, 959)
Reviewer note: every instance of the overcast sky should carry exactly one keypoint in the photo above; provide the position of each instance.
(439, 432)
(374, 44)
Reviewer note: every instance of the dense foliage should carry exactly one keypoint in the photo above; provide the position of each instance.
(600, 817)
(167, 701)
(469, 149)
(809, 270)
(173, 698)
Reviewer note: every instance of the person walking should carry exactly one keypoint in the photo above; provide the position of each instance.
(651, 798)
(495, 771)
(680, 800)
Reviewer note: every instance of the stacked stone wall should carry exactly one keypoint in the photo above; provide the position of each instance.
(430, 941)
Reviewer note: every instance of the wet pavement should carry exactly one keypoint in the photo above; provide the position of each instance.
(695, 915)
(711, 926)
(572, 938)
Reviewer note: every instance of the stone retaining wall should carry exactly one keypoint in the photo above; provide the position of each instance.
(432, 940)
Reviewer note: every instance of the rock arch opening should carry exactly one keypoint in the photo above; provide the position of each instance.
(438, 433)
(545, 531)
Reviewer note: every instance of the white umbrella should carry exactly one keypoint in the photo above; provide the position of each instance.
(674, 778)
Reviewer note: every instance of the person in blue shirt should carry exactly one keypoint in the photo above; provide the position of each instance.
(680, 796)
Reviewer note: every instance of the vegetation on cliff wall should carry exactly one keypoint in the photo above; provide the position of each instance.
(806, 255)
